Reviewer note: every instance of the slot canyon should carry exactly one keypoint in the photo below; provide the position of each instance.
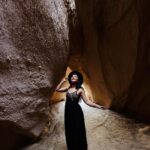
(41, 41)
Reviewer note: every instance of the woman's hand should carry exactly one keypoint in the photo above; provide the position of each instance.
(58, 88)
(65, 79)
(100, 107)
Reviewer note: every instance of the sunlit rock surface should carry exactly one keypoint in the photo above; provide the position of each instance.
(33, 57)
(105, 130)
(113, 52)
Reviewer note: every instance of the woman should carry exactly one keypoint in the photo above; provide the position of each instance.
(75, 130)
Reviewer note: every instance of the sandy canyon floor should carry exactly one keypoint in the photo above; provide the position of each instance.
(106, 130)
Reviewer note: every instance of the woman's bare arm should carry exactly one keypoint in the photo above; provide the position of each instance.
(59, 87)
(89, 102)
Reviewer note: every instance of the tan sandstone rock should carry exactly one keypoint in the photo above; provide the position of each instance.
(115, 57)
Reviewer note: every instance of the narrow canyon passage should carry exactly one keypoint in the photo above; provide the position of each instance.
(106, 130)
(107, 41)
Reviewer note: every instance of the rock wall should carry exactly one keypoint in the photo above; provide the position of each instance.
(139, 92)
(115, 57)
(33, 57)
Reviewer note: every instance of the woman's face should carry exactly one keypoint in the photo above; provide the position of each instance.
(74, 78)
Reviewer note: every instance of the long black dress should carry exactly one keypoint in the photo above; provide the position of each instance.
(75, 130)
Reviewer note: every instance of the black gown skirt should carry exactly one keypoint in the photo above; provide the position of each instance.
(75, 130)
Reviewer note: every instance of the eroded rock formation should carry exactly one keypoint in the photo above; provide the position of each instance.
(33, 56)
(115, 61)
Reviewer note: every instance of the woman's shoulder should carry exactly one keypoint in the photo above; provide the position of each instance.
(81, 89)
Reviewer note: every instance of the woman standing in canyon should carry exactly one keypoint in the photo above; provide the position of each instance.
(75, 130)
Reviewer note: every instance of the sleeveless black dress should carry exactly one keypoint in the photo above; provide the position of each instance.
(75, 130)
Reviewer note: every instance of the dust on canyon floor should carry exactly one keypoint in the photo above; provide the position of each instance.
(106, 130)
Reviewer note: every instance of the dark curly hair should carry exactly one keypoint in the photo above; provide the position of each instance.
(80, 78)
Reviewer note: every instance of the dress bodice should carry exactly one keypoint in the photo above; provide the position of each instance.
(74, 97)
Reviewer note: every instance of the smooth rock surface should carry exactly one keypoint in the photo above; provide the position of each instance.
(113, 53)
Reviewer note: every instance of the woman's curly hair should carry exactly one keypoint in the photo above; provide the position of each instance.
(80, 78)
